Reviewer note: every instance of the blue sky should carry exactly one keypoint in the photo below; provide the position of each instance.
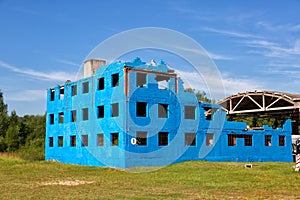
(255, 44)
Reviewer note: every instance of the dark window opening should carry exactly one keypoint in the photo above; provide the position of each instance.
(141, 138)
(268, 141)
(233, 137)
(163, 139)
(50, 141)
(100, 111)
(84, 140)
(73, 141)
(281, 140)
(100, 141)
(61, 93)
(162, 82)
(209, 139)
(115, 109)
(52, 94)
(209, 112)
(190, 139)
(85, 87)
(74, 90)
(189, 112)
(73, 115)
(60, 141)
(141, 109)
(101, 83)
(163, 110)
(61, 117)
(85, 114)
(114, 139)
(115, 80)
(141, 80)
(51, 118)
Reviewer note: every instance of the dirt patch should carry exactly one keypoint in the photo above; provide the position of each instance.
(68, 183)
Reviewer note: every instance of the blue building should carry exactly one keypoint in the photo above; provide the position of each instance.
(128, 114)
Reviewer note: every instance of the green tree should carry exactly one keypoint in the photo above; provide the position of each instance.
(200, 95)
(3, 123)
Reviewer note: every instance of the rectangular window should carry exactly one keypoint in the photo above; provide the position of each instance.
(85, 87)
(52, 94)
(100, 139)
(114, 80)
(51, 120)
(233, 137)
(73, 141)
(141, 109)
(73, 115)
(162, 82)
(50, 141)
(114, 139)
(281, 140)
(85, 114)
(100, 111)
(141, 80)
(84, 140)
(61, 93)
(115, 109)
(190, 139)
(209, 139)
(163, 139)
(61, 117)
(163, 110)
(74, 90)
(101, 83)
(141, 138)
(268, 141)
(189, 112)
(60, 141)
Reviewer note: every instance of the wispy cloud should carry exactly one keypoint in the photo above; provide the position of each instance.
(27, 95)
(281, 27)
(220, 57)
(232, 33)
(67, 62)
(47, 76)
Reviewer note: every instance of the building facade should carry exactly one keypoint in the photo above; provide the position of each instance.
(129, 114)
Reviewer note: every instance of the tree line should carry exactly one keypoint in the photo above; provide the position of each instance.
(24, 136)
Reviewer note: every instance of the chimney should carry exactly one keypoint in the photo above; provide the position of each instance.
(91, 66)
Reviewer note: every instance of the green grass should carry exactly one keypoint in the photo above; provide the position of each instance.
(21, 179)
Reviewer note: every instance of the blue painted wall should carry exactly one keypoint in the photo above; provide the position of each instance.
(127, 124)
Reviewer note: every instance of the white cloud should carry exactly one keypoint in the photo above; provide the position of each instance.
(26, 95)
(67, 62)
(281, 27)
(232, 33)
(50, 76)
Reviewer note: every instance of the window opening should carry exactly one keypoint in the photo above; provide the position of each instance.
(141, 138)
(268, 140)
(100, 111)
(189, 112)
(52, 94)
(141, 80)
(163, 138)
(84, 140)
(100, 141)
(74, 90)
(163, 110)
(281, 140)
(61, 93)
(85, 87)
(50, 141)
(115, 80)
(190, 139)
(51, 118)
(85, 114)
(115, 109)
(61, 117)
(101, 83)
(60, 141)
(73, 141)
(233, 137)
(114, 139)
(162, 82)
(73, 115)
(141, 109)
(209, 139)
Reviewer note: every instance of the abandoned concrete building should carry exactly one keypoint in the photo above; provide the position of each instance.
(128, 114)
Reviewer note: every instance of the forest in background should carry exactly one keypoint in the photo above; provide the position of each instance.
(24, 136)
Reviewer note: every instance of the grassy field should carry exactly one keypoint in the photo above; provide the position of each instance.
(21, 179)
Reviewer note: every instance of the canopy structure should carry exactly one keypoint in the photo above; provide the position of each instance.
(278, 105)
